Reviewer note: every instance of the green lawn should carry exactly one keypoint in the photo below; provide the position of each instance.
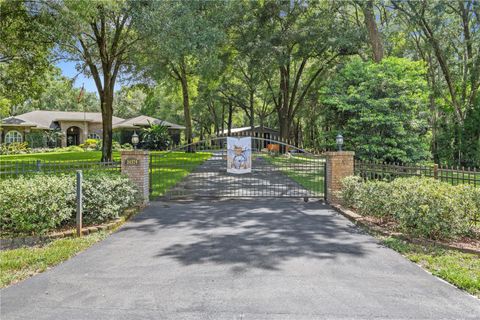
(306, 171)
(169, 169)
(58, 156)
(460, 269)
(19, 264)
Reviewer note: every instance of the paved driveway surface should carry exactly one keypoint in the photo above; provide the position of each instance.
(268, 259)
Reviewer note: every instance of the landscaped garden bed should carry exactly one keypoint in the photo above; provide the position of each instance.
(41, 204)
(432, 223)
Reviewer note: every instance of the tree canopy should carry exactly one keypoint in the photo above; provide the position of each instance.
(399, 79)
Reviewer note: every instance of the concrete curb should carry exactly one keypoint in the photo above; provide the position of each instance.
(15, 243)
(361, 221)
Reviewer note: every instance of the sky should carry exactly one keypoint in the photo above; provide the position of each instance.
(69, 71)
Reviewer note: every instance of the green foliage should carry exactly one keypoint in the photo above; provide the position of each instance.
(127, 146)
(106, 196)
(351, 187)
(42, 203)
(53, 137)
(24, 53)
(380, 109)
(13, 148)
(70, 149)
(429, 208)
(90, 144)
(156, 137)
(36, 205)
(421, 206)
(129, 102)
(60, 95)
(36, 139)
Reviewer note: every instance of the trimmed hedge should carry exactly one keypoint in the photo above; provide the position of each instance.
(422, 207)
(42, 203)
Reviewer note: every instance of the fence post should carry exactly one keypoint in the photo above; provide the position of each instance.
(79, 216)
(38, 165)
(135, 165)
(340, 164)
(435, 171)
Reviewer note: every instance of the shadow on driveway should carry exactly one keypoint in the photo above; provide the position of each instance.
(260, 234)
(255, 259)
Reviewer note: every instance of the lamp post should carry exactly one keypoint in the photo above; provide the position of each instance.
(135, 140)
(339, 140)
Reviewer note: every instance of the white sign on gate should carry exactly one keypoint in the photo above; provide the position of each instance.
(239, 155)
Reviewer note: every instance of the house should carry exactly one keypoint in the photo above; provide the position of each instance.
(265, 134)
(76, 127)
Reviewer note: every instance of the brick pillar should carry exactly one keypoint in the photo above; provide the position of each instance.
(135, 164)
(340, 164)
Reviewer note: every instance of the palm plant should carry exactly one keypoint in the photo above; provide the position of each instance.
(156, 137)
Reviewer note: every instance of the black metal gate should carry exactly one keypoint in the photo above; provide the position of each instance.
(199, 170)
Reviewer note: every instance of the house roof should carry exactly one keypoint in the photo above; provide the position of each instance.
(243, 129)
(44, 119)
(16, 122)
(145, 121)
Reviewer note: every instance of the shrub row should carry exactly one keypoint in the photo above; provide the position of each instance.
(420, 206)
(90, 144)
(38, 204)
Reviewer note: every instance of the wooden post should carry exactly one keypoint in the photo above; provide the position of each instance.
(435, 171)
(79, 216)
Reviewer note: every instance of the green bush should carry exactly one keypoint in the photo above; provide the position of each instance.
(36, 205)
(41, 203)
(90, 144)
(70, 149)
(36, 139)
(14, 148)
(430, 208)
(127, 146)
(374, 199)
(106, 196)
(350, 188)
(421, 206)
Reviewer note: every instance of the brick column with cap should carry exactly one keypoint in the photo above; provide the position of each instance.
(135, 165)
(340, 164)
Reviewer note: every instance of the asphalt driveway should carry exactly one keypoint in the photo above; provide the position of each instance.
(264, 259)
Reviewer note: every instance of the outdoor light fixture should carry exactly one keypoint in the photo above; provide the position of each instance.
(339, 140)
(135, 140)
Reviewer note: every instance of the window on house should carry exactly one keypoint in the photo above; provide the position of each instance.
(13, 136)
(94, 135)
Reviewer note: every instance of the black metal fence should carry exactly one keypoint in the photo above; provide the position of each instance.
(13, 169)
(389, 171)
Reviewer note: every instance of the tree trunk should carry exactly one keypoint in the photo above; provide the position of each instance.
(107, 112)
(230, 115)
(373, 33)
(284, 124)
(223, 118)
(251, 107)
(186, 107)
